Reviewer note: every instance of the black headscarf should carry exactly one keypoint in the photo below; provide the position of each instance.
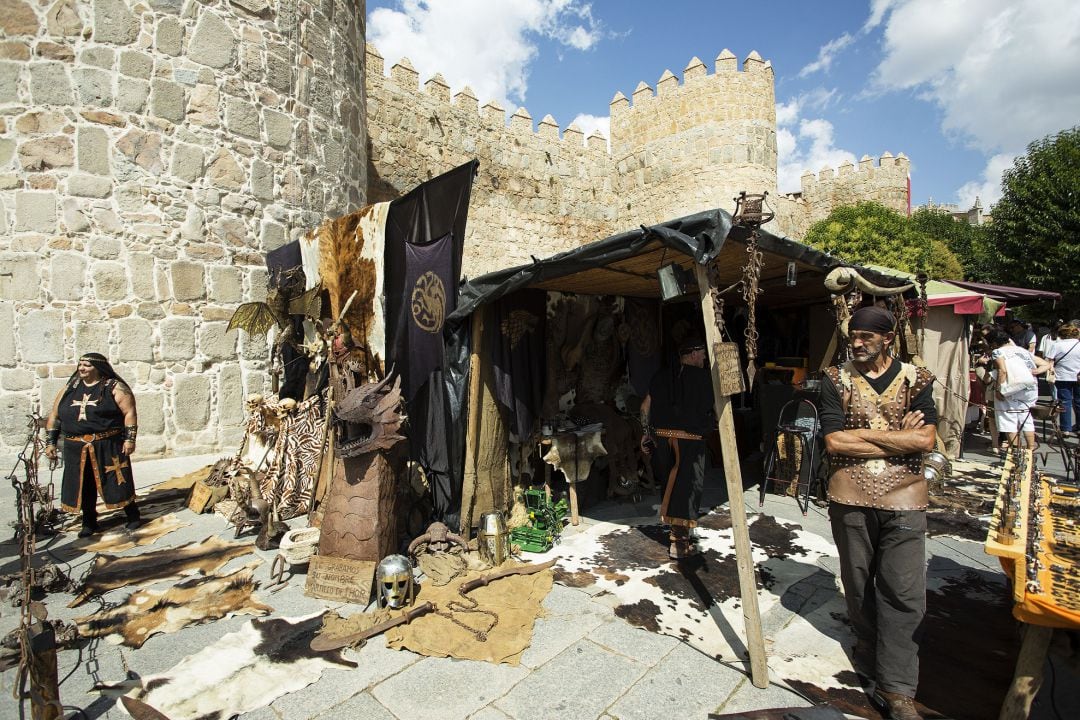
(874, 319)
(101, 364)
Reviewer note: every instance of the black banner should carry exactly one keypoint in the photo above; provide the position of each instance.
(518, 357)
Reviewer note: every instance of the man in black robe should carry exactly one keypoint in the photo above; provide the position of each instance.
(95, 412)
(676, 415)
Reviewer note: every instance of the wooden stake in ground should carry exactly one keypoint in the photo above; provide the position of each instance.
(755, 641)
(472, 432)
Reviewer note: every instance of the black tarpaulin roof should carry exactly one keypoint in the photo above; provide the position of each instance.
(626, 264)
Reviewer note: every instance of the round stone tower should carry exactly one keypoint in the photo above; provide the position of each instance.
(151, 153)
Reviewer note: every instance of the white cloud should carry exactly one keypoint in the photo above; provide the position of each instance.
(485, 45)
(1003, 72)
(805, 143)
(826, 54)
(590, 123)
(988, 187)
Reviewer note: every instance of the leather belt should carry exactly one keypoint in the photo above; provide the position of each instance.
(89, 438)
(677, 434)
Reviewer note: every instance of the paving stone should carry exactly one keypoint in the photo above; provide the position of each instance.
(457, 688)
(747, 697)
(641, 645)
(580, 682)
(552, 635)
(685, 683)
(361, 705)
(489, 713)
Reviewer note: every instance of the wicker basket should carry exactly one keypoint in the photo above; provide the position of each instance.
(297, 546)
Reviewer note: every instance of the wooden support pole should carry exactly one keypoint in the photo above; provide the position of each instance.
(472, 431)
(755, 640)
(1028, 677)
(44, 687)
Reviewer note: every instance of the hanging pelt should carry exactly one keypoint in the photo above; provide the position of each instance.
(290, 479)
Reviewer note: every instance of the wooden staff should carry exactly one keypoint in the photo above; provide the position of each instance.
(755, 641)
(472, 433)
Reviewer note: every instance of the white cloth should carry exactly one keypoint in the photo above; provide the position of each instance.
(1066, 366)
(1013, 414)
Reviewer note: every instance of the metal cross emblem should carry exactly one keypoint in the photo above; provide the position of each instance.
(81, 404)
(118, 465)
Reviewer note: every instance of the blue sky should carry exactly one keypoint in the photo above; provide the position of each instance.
(959, 86)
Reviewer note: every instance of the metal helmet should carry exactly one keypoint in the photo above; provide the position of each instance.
(394, 579)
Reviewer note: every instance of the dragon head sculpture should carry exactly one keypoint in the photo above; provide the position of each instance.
(373, 413)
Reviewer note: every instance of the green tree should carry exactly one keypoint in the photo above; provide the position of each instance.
(1036, 224)
(869, 232)
(969, 243)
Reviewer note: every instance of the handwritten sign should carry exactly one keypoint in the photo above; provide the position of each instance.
(340, 579)
(204, 497)
(726, 357)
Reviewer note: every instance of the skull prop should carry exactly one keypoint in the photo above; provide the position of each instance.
(373, 415)
(394, 578)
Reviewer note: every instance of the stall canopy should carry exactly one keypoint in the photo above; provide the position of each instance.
(1014, 296)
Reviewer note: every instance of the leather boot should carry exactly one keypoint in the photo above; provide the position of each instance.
(897, 706)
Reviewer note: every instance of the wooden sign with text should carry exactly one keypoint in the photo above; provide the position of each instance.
(726, 355)
(340, 579)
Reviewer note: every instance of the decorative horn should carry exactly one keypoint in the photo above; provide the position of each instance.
(843, 280)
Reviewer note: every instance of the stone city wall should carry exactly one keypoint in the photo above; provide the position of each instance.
(690, 147)
(151, 153)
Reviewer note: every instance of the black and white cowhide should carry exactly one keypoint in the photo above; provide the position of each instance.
(241, 672)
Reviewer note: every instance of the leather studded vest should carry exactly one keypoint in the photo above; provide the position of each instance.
(890, 483)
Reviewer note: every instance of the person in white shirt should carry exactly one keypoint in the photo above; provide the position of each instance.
(1065, 354)
(1012, 410)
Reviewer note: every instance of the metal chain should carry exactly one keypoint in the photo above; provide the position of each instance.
(472, 607)
(750, 292)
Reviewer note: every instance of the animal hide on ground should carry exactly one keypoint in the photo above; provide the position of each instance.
(808, 642)
(194, 601)
(109, 572)
(573, 455)
(119, 540)
(241, 672)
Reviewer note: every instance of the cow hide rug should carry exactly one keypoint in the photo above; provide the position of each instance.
(119, 540)
(243, 671)
(807, 638)
(109, 572)
(194, 601)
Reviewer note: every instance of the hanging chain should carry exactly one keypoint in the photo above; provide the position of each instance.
(712, 272)
(750, 291)
(468, 605)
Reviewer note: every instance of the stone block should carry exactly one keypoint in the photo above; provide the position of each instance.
(114, 22)
(224, 172)
(136, 340)
(272, 236)
(17, 379)
(14, 407)
(46, 153)
(682, 683)
(142, 275)
(75, 219)
(105, 248)
(54, 51)
(35, 211)
(191, 401)
(142, 148)
(203, 105)
(230, 395)
(213, 43)
(62, 19)
(168, 6)
(41, 336)
(18, 18)
(188, 280)
(92, 337)
(188, 162)
(93, 86)
(9, 79)
(167, 100)
(185, 76)
(279, 128)
(262, 180)
(151, 407)
(192, 227)
(225, 284)
(110, 281)
(93, 145)
(67, 276)
(215, 343)
(7, 150)
(101, 57)
(177, 338)
(7, 334)
(169, 36)
(253, 347)
(91, 186)
(49, 84)
(241, 118)
(136, 64)
(20, 278)
(257, 285)
(132, 94)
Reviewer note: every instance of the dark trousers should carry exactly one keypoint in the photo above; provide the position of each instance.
(90, 497)
(883, 569)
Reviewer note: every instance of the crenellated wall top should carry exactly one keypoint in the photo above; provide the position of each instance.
(866, 164)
